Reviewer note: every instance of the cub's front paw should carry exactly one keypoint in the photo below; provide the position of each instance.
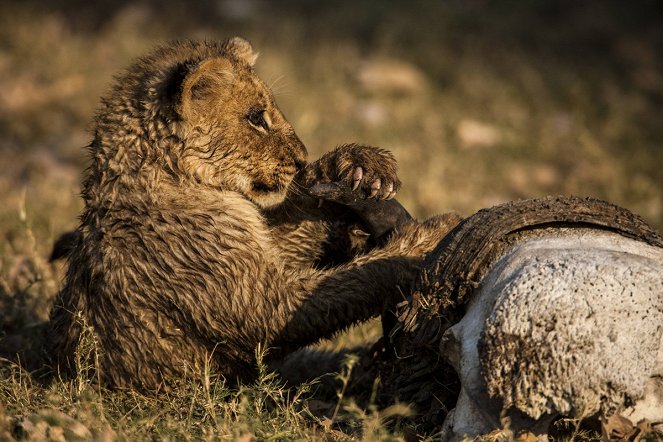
(353, 172)
(364, 179)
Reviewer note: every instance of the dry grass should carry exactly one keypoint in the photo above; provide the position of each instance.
(481, 103)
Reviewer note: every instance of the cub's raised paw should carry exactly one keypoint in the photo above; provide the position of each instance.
(353, 172)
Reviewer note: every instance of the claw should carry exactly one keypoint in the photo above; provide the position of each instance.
(392, 194)
(320, 201)
(359, 233)
(357, 175)
(388, 191)
(375, 187)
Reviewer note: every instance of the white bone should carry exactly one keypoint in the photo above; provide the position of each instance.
(573, 323)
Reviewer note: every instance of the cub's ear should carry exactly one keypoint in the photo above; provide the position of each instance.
(241, 50)
(195, 82)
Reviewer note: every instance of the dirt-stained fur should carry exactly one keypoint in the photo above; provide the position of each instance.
(195, 243)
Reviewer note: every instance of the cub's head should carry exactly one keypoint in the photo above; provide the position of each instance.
(196, 112)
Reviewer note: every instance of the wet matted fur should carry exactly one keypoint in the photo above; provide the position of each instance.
(197, 241)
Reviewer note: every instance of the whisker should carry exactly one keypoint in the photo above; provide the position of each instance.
(275, 81)
(296, 189)
(280, 88)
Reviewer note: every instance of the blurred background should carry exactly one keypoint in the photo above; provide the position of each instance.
(481, 102)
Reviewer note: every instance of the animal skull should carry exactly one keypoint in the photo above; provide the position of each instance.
(567, 324)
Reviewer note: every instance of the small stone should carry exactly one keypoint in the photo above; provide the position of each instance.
(473, 134)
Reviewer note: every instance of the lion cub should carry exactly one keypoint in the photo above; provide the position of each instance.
(200, 238)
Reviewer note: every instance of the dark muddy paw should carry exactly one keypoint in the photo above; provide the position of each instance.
(357, 172)
(363, 178)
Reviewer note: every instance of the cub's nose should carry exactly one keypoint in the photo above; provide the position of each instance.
(295, 151)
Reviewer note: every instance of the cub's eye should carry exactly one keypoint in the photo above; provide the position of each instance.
(257, 119)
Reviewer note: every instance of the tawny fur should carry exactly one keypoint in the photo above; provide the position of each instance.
(195, 244)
